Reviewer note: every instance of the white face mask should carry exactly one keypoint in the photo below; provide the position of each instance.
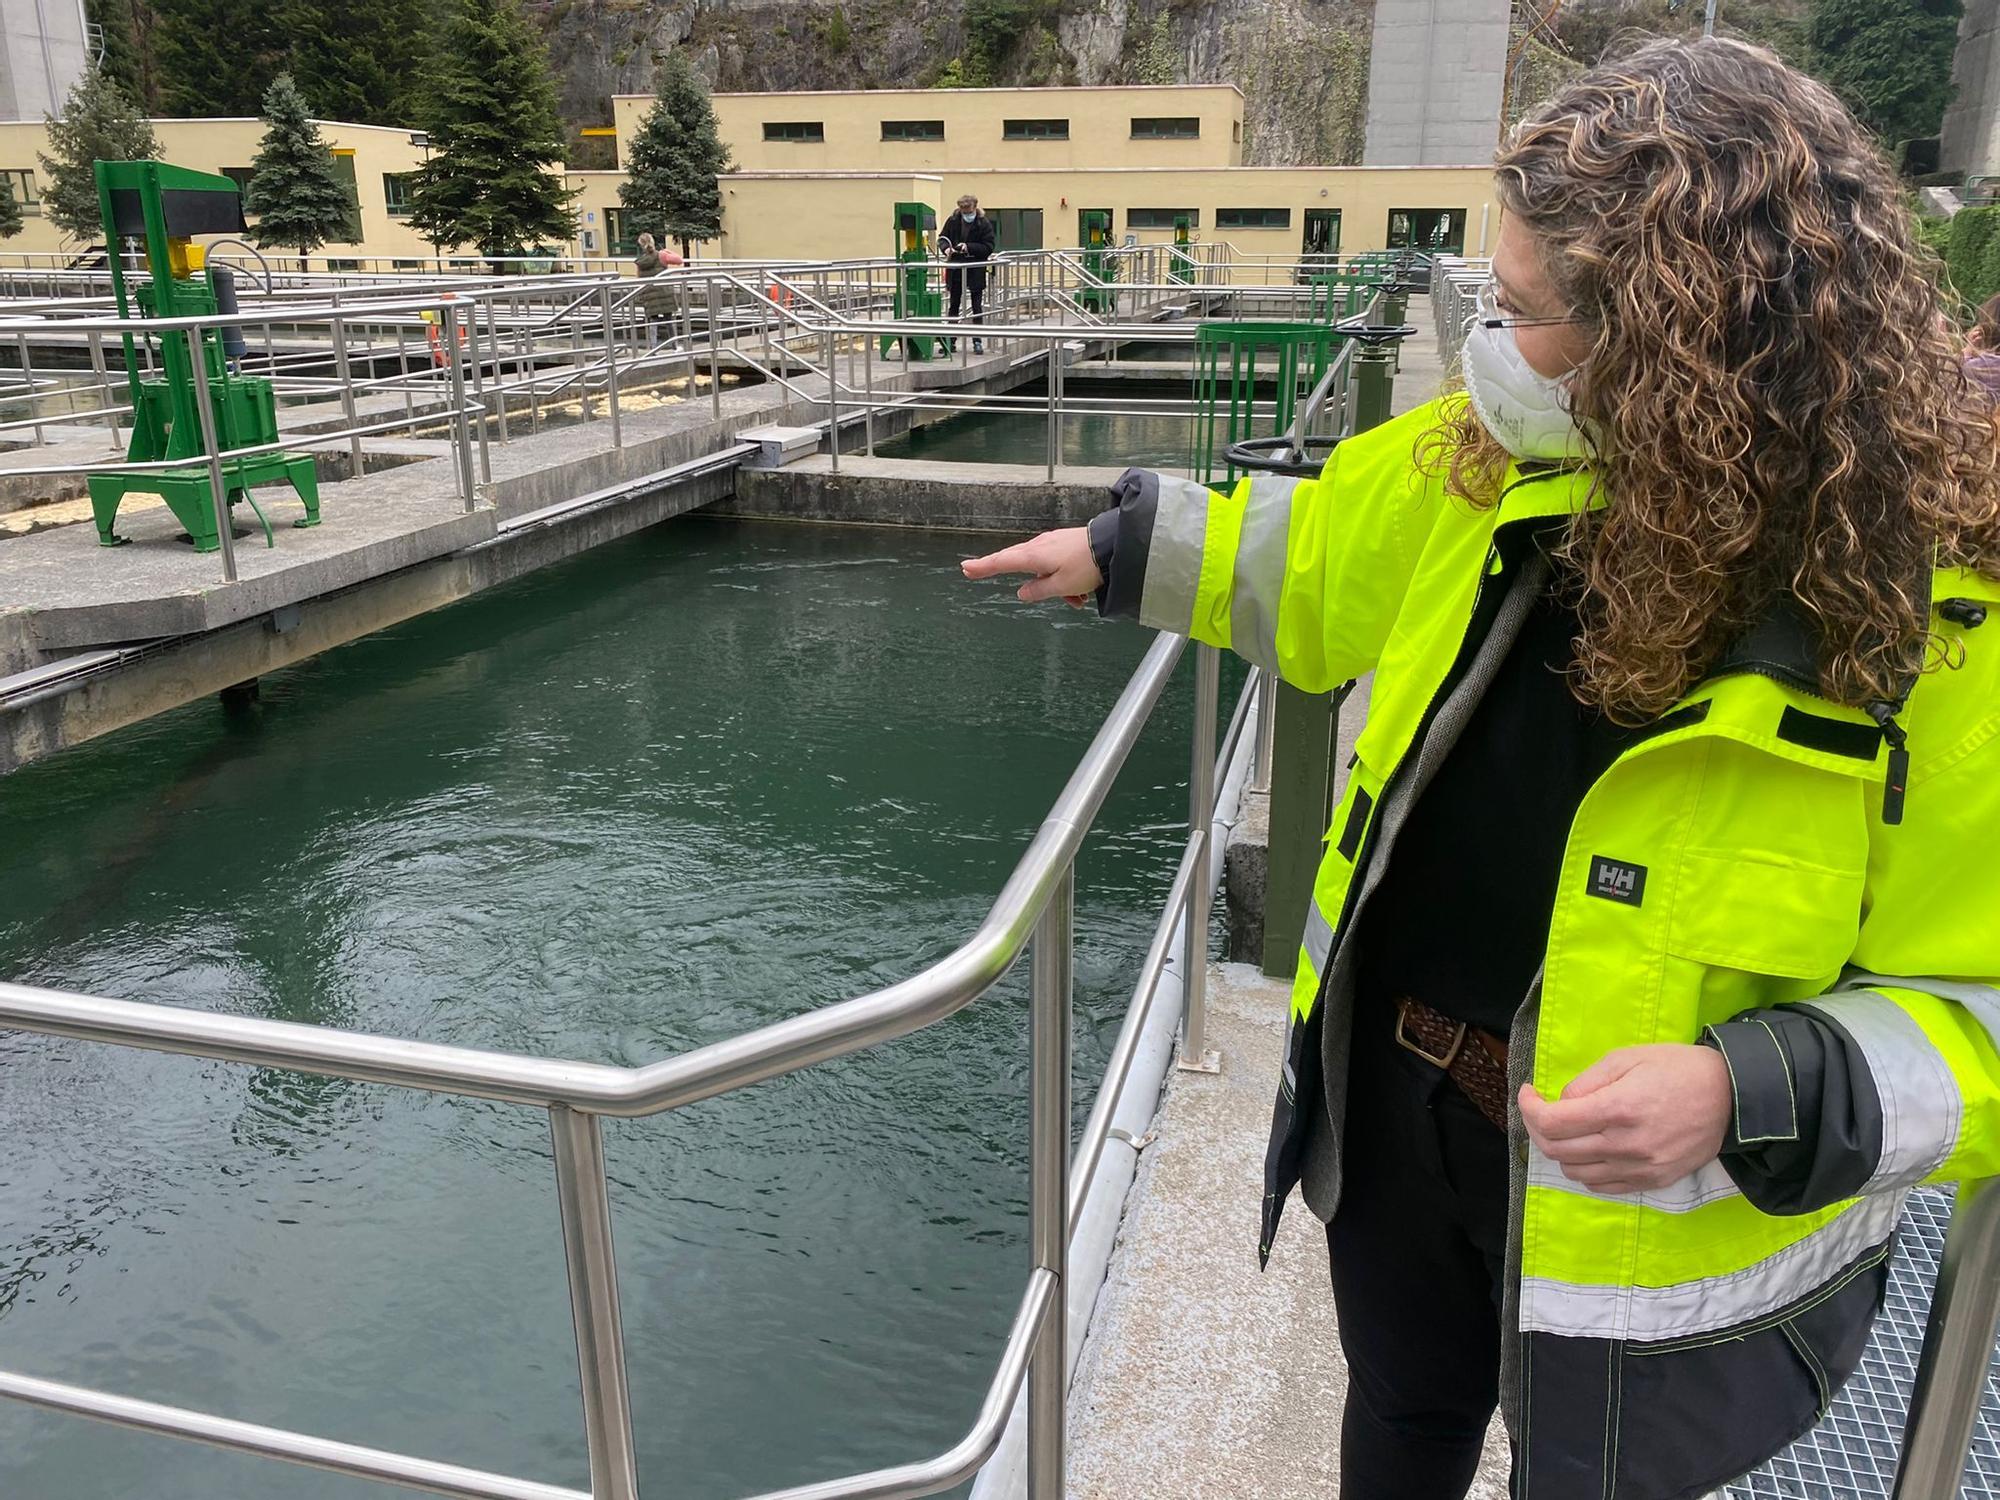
(1527, 413)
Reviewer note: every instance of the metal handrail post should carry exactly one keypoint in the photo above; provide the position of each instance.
(1194, 1051)
(1051, 974)
(343, 367)
(104, 388)
(28, 382)
(868, 389)
(585, 1200)
(1267, 723)
(611, 370)
(581, 365)
(832, 403)
(492, 345)
(715, 359)
(461, 437)
(1958, 1348)
(205, 414)
(1055, 349)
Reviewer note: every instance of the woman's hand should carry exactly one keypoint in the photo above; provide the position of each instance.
(1639, 1118)
(1058, 563)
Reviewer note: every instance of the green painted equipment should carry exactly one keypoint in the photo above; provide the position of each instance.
(1232, 361)
(916, 227)
(167, 206)
(1180, 265)
(1099, 265)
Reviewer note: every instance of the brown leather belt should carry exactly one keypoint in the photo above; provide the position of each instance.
(1475, 1060)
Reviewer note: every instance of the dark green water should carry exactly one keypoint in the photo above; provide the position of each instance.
(1003, 437)
(680, 787)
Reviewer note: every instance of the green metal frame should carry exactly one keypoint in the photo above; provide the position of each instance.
(168, 205)
(1098, 264)
(1181, 267)
(916, 225)
(1230, 360)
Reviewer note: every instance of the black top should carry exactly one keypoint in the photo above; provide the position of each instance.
(971, 239)
(1461, 917)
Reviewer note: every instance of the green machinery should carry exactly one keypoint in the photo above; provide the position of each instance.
(916, 227)
(167, 206)
(1099, 265)
(1181, 266)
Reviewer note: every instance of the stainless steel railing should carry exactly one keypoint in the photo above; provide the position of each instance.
(1032, 911)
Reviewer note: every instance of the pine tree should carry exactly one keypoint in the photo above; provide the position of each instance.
(675, 159)
(10, 213)
(214, 56)
(495, 132)
(1889, 59)
(358, 59)
(98, 124)
(121, 45)
(293, 192)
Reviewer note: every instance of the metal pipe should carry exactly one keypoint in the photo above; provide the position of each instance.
(205, 414)
(274, 1442)
(345, 372)
(104, 387)
(832, 403)
(1055, 350)
(868, 391)
(448, 326)
(1201, 806)
(1267, 715)
(28, 383)
(715, 359)
(492, 346)
(585, 1200)
(1958, 1348)
(1048, 1177)
(611, 371)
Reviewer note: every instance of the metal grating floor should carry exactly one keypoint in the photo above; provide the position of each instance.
(1852, 1454)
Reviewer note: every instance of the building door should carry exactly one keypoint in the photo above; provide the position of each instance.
(1016, 228)
(1322, 240)
(1434, 231)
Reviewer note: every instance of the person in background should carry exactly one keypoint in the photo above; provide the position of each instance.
(967, 242)
(1982, 348)
(1652, 958)
(658, 302)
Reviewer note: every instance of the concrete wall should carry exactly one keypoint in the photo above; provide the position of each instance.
(43, 51)
(1434, 81)
(212, 145)
(787, 215)
(1971, 137)
(1100, 127)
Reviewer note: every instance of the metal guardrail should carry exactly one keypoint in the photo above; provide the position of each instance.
(1033, 911)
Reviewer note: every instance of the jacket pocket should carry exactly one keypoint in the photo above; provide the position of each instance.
(1797, 920)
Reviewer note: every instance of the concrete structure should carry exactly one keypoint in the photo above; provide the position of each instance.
(1970, 141)
(1435, 70)
(45, 45)
(376, 159)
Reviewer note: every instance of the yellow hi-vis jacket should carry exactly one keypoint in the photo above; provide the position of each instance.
(1810, 887)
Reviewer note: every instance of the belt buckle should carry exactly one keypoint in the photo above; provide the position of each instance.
(1404, 1040)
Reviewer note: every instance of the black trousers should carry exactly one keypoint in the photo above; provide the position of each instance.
(1418, 1248)
(967, 279)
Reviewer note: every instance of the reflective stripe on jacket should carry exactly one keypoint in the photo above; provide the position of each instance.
(1744, 872)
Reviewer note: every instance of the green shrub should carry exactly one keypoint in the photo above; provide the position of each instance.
(1971, 257)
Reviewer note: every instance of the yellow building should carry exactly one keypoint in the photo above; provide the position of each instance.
(375, 160)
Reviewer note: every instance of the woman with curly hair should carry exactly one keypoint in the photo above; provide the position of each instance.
(1652, 957)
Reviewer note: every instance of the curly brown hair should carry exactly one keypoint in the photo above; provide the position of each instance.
(1777, 410)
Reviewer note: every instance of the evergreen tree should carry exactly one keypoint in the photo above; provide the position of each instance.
(495, 133)
(121, 62)
(10, 213)
(98, 124)
(675, 159)
(1889, 59)
(358, 59)
(215, 56)
(293, 192)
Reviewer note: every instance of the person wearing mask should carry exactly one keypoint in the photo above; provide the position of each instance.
(1653, 954)
(967, 243)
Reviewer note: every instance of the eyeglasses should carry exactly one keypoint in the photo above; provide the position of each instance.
(1486, 306)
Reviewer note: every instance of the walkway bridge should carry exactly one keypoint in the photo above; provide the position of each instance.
(561, 411)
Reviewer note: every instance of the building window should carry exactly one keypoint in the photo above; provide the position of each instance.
(1166, 128)
(794, 130)
(1253, 218)
(1034, 130)
(240, 176)
(913, 130)
(396, 191)
(407, 265)
(21, 183)
(1434, 231)
(342, 263)
(1016, 228)
(1160, 218)
(1236, 132)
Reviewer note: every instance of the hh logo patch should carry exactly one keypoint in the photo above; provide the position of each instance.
(1615, 880)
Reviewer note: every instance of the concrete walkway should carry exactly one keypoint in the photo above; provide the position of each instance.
(1202, 1378)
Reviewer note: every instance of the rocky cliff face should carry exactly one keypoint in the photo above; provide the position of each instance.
(1302, 64)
